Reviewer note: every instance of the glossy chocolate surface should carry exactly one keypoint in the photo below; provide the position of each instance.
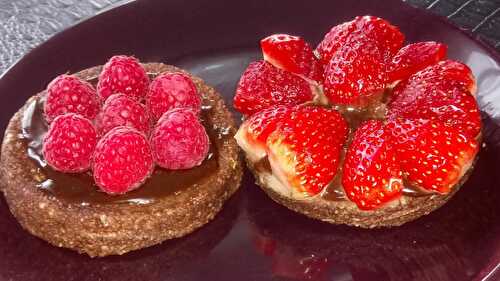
(81, 189)
(254, 238)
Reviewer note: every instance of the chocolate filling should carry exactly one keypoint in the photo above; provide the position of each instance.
(81, 189)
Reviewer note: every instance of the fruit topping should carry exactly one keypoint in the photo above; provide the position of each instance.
(262, 85)
(121, 110)
(169, 91)
(433, 155)
(387, 38)
(122, 160)
(372, 174)
(179, 140)
(252, 134)
(304, 150)
(293, 54)
(355, 75)
(125, 75)
(414, 57)
(69, 143)
(69, 94)
(439, 92)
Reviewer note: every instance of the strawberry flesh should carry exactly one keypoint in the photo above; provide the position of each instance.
(262, 85)
(414, 57)
(305, 148)
(252, 134)
(372, 174)
(292, 53)
(434, 156)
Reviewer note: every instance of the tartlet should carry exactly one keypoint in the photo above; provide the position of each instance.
(68, 210)
(362, 130)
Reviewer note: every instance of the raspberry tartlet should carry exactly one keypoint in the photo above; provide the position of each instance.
(362, 130)
(120, 157)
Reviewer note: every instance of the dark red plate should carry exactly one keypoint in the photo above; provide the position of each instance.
(254, 238)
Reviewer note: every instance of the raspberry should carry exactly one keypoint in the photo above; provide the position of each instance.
(69, 94)
(122, 160)
(172, 90)
(179, 140)
(69, 143)
(120, 110)
(122, 74)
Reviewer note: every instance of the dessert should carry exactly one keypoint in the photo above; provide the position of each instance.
(384, 134)
(96, 172)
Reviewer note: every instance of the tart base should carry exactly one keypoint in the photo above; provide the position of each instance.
(395, 213)
(115, 229)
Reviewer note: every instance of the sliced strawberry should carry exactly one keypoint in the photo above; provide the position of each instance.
(304, 150)
(252, 134)
(439, 92)
(414, 57)
(372, 174)
(355, 75)
(386, 36)
(292, 53)
(434, 156)
(262, 85)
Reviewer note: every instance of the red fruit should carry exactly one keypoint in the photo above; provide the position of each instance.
(125, 75)
(434, 156)
(252, 134)
(355, 75)
(120, 110)
(169, 91)
(262, 85)
(386, 37)
(372, 174)
(414, 57)
(69, 143)
(439, 92)
(292, 53)
(304, 150)
(122, 160)
(69, 94)
(179, 140)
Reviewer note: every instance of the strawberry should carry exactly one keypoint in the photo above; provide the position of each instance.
(262, 85)
(69, 143)
(179, 140)
(372, 174)
(293, 54)
(69, 94)
(439, 92)
(252, 134)
(386, 37)
(125, 75)
(122, 160)
(433, 155)
(304, 149)
(414, 57)
(355, 75)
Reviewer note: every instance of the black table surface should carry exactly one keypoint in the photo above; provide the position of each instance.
(24, 24)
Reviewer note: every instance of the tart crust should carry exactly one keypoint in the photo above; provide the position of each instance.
(394, 213)
(115, 229)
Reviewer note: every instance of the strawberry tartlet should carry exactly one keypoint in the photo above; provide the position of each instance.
(120, 157)
(362, 130)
